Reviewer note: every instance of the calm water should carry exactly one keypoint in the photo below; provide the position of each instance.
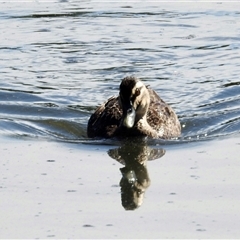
(58, 61)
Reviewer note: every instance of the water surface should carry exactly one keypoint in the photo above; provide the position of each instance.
(59, 61)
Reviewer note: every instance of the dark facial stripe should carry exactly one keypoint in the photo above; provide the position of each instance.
(126, 87)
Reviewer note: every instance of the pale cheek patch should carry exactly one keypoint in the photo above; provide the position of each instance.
(139, 84)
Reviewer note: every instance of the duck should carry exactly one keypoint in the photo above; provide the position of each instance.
(137, 111)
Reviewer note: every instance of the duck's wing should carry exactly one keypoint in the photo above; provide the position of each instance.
(162, 117)
(105, 120)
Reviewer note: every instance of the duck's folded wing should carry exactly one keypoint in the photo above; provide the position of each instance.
(105, 120)
(162, 117)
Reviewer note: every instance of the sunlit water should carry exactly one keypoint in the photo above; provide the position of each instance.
(59, 61)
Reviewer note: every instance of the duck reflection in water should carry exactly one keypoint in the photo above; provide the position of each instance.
(134, 154)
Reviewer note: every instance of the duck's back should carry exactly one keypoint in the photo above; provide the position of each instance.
(162, 117)
(105, 120)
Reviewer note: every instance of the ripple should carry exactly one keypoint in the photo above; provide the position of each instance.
(54, 77)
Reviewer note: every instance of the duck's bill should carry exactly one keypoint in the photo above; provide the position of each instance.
(129, 119)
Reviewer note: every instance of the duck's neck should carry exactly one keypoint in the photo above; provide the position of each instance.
(143, 126)
(143, 106)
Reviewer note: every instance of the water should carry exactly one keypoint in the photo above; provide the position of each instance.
(60, 60)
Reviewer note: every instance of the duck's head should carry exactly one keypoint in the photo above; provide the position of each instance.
(134, 100)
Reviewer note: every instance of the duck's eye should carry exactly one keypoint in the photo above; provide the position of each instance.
(137, 92)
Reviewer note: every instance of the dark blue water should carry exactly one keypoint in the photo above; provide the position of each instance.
(59, 61)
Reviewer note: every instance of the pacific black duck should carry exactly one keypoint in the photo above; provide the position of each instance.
(137, 111)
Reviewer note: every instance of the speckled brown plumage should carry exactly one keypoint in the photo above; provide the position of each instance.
(159, 121)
